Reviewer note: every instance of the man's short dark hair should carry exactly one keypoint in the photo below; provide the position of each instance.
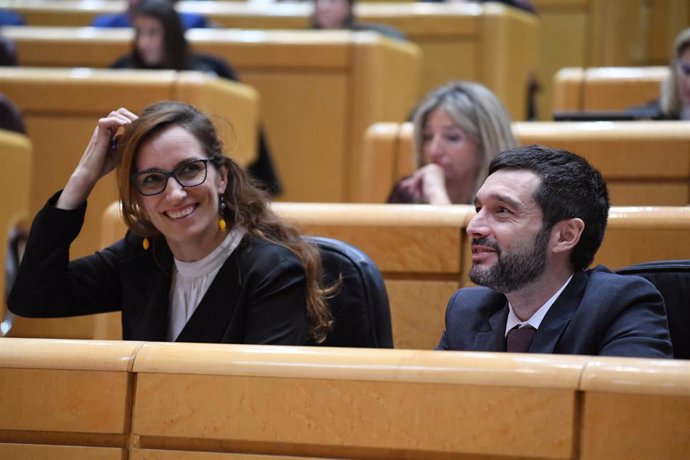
(569, 187)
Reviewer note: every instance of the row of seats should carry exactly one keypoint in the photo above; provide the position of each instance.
(496, 51)
(492, 44)
(136, 400)
(644, 163)
(606, 88)
(318, 93)
(422, 252)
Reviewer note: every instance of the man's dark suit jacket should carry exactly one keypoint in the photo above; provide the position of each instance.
(598, 313)
(258, 296)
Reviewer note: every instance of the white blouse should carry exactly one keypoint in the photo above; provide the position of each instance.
(191, 280)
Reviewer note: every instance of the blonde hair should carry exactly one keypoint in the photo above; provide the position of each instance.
(477, 111)
(671, 105)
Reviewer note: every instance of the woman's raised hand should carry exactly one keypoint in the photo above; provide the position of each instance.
(97, 161)
(428, 185)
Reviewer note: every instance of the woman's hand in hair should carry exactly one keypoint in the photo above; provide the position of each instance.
(97, 161)
(427, 185)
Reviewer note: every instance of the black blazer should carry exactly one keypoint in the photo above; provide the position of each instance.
(598, 313)
(258, 296)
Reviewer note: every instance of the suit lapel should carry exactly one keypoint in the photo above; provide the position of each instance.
(558, 317)
(493, 338)
(147, 313)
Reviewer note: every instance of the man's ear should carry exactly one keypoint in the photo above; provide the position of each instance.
(566, 234)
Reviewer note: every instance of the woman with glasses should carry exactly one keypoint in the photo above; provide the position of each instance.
(205, 259)
(457, 130)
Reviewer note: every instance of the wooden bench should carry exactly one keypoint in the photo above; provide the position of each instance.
(15, 186)
(65, 399)
(635, 408)
(606, 88)
(418, 250)
(491, 44)
(644, 163)
(424, 255)
(319, 90)
(157, 401)
(345, 403)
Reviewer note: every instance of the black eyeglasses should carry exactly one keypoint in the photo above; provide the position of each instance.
(154, 181)
(684, 67)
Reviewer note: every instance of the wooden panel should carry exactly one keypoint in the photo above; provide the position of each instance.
(508, 56)
(301, 413)
(635, 408)
(313, 401)
(562, 41)
(649, 193)
(66, 388)
(399, 238)
(635, 426)
(15, 185)
(309, 153)
(38, 451)
(377, 75)
(638, 235)
(606, 88)
(153, 454)
(667, 19)
(567, 90)
(612, 88)
(417, 311)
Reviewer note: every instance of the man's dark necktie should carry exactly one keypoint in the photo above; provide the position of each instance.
(519, 339)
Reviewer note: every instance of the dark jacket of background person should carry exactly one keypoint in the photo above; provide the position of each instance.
(8, 52)
(236, 308)
(10, 116)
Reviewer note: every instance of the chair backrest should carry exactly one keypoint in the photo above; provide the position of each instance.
(672, 279)
(361, 314)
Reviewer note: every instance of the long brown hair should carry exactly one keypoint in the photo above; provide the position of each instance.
(247, 205)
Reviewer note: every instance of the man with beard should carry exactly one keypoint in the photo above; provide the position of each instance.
(541, 216)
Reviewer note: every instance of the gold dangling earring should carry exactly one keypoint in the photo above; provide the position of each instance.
(222, 226)
(145, 244)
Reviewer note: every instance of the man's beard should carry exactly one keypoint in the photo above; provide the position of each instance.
(513, 271)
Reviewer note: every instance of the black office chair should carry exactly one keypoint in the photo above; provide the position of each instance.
(672, 279)
(360, 309)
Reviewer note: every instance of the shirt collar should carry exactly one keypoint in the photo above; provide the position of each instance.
(536, 319)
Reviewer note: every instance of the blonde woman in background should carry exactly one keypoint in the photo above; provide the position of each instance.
(458, 129)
